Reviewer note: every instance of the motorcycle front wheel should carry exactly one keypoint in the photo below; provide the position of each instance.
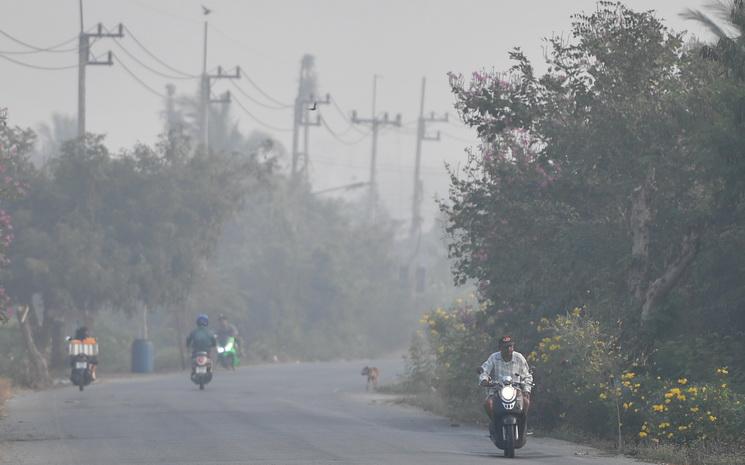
(509, 440)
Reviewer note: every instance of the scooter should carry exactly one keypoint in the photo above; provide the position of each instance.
(81, 356)
(508, 422)
(201, 369)
(80, 375)
(227, 355)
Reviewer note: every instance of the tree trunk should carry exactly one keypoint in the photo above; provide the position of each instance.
(639, 222)
(39, 372)
(670, 277)
(58, 355)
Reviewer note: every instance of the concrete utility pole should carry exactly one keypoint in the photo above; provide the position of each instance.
(205, 97)
(84, 59)
(421, 135)
(305, 102)
(375, 123)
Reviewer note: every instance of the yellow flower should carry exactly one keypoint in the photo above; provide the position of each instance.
(722, 371)
(712, 418)
(682, 381)
(603, 396)
(664, 425)
(724, 385)
(642, 434)
(658, 408)
(629, 375)
(627, 405)
(692, 390)
(669, 435)
(682, 428)
(694, 409)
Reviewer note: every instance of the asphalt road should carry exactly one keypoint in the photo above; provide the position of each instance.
(294, 414)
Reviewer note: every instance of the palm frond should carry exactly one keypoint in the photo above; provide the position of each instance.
(696, 15)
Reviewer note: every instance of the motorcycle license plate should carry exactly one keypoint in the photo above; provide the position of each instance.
(81, 365)
(201, 369)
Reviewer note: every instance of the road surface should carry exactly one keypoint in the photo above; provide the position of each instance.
(289, 414)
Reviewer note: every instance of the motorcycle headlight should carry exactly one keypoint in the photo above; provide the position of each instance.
(220, 350)
(508, 393)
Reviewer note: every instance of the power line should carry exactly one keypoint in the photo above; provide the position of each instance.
(346, 118)
(136, 78)
(156, 58)
(461, 139)
(45, 68)
(39, 49)
(337, 136)
(269, 126)
(240, 89)
(152, 70)
(265, 94)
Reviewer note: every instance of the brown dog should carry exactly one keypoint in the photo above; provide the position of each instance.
(372, 374)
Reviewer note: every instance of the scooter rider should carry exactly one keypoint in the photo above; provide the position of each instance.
(201, 339)
(227, 329)
(506, 362)
(83, 335)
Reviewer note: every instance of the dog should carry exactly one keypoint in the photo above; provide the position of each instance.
(372, 374)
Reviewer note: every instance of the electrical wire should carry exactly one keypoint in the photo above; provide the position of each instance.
(269, 126)
(45, 68)
(346, 118)
(152, 70)
(460, 139)
(153, 56)
(337, 136)
(240, 89)
(136, 78)
(248, 78)
(36, 49)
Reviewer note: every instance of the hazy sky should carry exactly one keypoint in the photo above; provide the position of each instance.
(401, 40)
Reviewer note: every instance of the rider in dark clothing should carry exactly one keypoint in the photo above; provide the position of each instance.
(227, 329)
(201, 339)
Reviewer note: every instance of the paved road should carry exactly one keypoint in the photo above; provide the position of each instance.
(303, 414)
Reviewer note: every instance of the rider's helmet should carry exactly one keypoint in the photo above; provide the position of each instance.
(203, 320)
(81, 333)
(506, 341)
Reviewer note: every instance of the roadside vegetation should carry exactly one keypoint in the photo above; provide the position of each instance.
(601, 219)
(135, 244)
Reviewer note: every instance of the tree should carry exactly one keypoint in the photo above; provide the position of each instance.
(596, 182)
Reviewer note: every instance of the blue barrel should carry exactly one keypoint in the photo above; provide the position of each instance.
(143, 355)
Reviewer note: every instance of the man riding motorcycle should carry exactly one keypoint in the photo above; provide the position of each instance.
(227, 329)
(506, 362)
(82, 336)
(201, 339)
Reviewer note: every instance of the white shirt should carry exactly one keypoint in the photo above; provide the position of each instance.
(496, 368)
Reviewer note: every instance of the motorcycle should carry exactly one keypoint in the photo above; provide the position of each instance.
(201, 369)
(81, 356)
(508, 421)
(227, 355)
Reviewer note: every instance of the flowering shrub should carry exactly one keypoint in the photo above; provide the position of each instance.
(600, 390)
(458, 346)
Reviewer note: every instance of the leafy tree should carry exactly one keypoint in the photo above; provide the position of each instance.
(597, 182)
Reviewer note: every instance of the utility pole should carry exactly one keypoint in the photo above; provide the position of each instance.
(84, 59)
(205, 94)
(421, 135)
(305, 102)
(375, 123)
